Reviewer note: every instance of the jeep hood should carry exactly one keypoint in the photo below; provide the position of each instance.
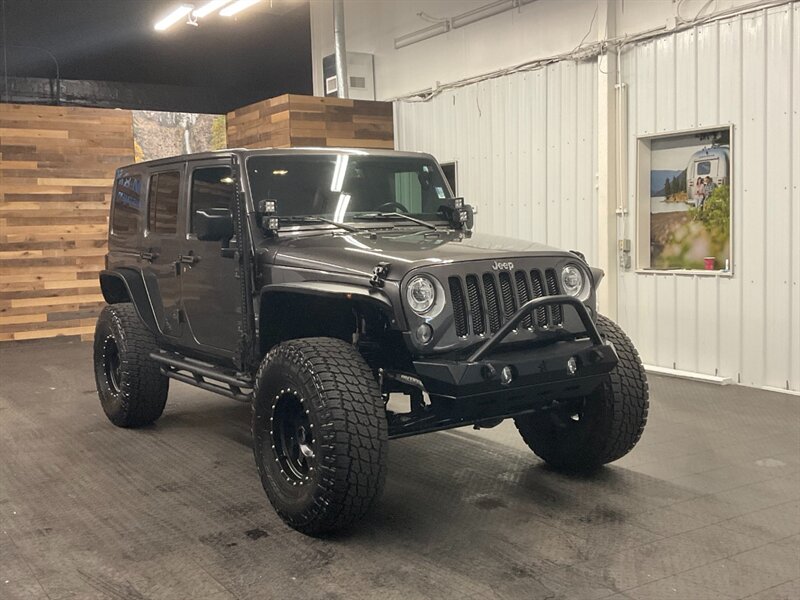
(359, 253)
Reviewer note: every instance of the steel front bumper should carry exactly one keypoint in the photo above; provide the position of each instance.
(557, 370)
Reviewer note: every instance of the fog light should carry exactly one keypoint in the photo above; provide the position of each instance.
(506, 375)
(424, 333)
(572, 365)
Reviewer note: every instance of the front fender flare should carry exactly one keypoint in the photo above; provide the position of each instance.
(334, 289)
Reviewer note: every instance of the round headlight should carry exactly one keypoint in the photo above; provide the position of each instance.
(421, 294)
(573, 281)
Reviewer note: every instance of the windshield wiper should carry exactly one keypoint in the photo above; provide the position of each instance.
(312, 219)
(381, 215)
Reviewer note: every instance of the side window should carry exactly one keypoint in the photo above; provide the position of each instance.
(417, 190)
(212, 192)
(162, 200)
(408, 191)
(127, 203)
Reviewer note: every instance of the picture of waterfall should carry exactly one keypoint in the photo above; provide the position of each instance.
(158, 134)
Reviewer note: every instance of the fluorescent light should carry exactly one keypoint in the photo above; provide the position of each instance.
(483, 12)
(421, 34)
(339, 171)
(210, 7)
(341, 208)
(237, 7)
(173, 17)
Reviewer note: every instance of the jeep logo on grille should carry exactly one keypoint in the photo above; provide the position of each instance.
(503, 266)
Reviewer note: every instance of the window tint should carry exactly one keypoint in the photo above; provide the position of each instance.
(127, 202)
(163, 202)
(212, 192)
(704, 168)
(336, 186)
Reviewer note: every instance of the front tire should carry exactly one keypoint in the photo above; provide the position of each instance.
(598, 429)
(132, 389)
(320, 435)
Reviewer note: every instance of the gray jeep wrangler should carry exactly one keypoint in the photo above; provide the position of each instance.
(315, 283)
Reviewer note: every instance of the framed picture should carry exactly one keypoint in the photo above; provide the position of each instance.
(684, 201)
(159, 134)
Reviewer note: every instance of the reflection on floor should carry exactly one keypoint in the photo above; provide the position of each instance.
(708, 505)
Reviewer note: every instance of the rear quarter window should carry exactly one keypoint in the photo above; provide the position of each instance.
(127, 204)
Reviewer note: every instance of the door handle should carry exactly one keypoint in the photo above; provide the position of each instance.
(148, 256)
(188, 259)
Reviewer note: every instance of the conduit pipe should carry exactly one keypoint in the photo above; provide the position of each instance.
(340, 50)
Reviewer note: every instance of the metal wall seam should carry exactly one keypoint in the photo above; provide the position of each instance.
(741, 71)
(526, 147)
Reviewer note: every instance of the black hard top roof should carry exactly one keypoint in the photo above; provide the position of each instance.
(243, 153)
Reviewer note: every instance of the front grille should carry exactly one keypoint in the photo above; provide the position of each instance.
(492, 298)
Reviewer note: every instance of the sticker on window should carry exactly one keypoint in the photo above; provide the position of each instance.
(439, 192)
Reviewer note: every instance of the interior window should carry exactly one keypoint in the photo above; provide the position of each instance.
(127, 203)
(449, 170)
(212, 192)
(163, 202)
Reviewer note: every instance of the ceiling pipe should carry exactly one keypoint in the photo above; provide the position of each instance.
(340, 50)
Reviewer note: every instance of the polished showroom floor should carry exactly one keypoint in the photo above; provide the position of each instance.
(706, 507)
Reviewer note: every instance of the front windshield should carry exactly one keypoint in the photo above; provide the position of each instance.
(348, 187)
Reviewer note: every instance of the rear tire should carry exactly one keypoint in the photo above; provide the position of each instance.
(320, 435)
(132, 389)
(605, 425)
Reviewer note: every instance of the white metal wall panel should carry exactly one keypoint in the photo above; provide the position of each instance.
(526, 149)
(743, 71)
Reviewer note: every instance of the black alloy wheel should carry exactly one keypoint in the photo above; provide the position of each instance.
(292, 437)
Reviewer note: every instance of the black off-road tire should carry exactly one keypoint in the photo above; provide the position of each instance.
(132, 389)
(334, 468)
(609, 423)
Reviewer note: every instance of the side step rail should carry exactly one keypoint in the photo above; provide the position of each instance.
(204, 375)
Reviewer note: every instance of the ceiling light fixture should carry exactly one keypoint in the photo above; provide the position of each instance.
(173, 17)
(237, 7)
(210, 7)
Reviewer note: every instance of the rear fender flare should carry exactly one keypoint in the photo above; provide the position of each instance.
(127, 285)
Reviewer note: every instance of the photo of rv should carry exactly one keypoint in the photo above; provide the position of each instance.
(707, 169)
(690, 200)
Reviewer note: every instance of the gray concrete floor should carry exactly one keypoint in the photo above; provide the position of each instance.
(707, 506)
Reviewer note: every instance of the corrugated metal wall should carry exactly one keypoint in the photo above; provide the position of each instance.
(526, 149)
(743, 71)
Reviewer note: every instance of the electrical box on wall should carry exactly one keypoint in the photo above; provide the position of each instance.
(360, 71)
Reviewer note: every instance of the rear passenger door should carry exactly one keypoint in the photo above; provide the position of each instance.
(161, 246)
(210, 289)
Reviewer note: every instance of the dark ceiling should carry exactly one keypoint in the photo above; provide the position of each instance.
(263, 52)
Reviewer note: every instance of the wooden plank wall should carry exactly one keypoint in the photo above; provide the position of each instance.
(56, 171)
(291, 121)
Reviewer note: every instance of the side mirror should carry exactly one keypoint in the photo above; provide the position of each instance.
(213, 224)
